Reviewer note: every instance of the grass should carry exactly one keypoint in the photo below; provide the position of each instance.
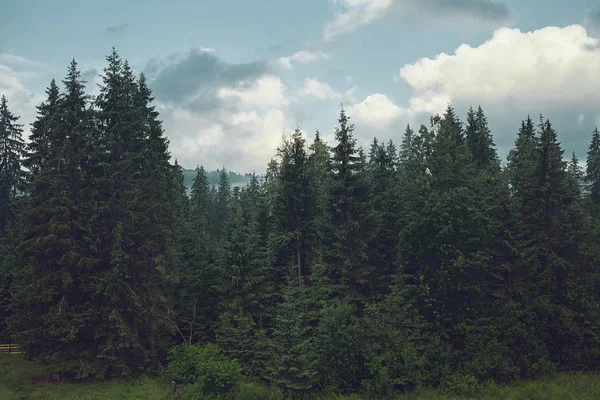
(564, 386)
(17, 383)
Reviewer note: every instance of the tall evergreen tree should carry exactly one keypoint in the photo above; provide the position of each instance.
(405, 147)
(12, 185)
(479, 139)
(294, 205)
(12, 176)
(593, 168)
(197, 280)
(132, 235)
(39, 146)
(348, 205)
(244, 288)
(54, 319)
(222, 205)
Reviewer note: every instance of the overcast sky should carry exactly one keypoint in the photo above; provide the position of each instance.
(230, 76)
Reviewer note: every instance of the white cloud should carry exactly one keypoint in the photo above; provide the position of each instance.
(242, 133)
(321, 90)
(551, 64)
(243, 141)
(15, 73)
(267, 91)
(300, 57)
(378, 111)
(355, 14)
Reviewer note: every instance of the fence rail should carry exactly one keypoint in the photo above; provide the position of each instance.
(10, 349)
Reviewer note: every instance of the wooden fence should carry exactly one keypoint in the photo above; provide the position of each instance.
(10, 349)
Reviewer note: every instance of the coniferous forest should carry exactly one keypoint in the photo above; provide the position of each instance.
(425, 262)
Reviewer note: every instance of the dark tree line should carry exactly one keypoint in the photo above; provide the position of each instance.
(413, 265)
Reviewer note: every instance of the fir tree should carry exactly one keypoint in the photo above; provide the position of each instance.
(222, 205)
(12, 186)
(348, 201)
(39, 145)
(54, 319)
(12, 177)
(593, 168)
(479, 139)
(405, 147)
(244, 288)
(294, 205)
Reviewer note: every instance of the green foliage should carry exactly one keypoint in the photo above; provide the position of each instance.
(203, 371)
(462, 385)
(333, 272)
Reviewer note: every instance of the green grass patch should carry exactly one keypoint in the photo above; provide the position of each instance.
(17, 382)
(564, 386)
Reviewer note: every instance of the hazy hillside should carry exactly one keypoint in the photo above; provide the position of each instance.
(213, 177)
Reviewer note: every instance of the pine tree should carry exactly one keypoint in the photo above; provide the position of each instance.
(222, 205)
(319, 166)
(244, 288)
(39, 145)
(593, 168)
(405, 147)
(294, 205)
(197, 295)
(294, 369)
(373, 150)
(54, 318)
(348, 200)
(133, 225)
(444, 240)
(381, 203)
(451, 126)
(576, 177)
(479, 139)
(12, 177)
(12, 186)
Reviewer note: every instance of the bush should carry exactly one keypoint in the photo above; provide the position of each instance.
(462, 385)
(203, 371)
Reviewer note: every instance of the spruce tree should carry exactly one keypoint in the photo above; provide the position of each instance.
(222, 204)
(12, 186)
(39, 144)
(294, 205)
(593, 168)
(348, 210)
(12, 177)
(244, 288)
(198, 300)
(405, 147)
(134, 228)
(479, 139)
(383, 219)
(55, 319)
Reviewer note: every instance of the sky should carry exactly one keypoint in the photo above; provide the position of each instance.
(231, 76)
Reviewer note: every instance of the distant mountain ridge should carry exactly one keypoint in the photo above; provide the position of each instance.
(235, 178)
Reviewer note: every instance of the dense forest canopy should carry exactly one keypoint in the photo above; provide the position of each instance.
(420, 262)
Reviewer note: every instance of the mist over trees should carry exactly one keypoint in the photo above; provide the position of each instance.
(421, 261)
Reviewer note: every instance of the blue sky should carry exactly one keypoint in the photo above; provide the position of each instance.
(230, 76)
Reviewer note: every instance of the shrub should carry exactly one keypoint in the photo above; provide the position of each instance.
(462, 385)
(203, 371)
